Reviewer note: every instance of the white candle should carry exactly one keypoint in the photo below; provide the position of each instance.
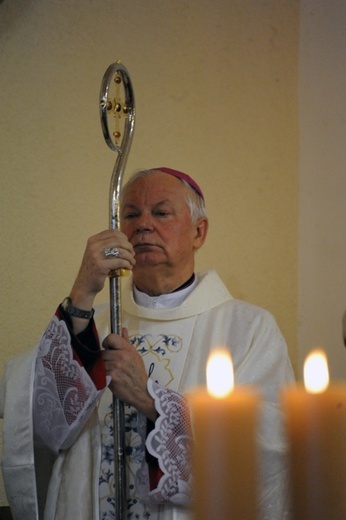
(316, 428)
(225, 455)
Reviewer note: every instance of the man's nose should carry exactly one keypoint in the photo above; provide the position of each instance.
(144, 223)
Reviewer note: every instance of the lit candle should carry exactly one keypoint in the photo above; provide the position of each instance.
(225, 455)
(316, 429)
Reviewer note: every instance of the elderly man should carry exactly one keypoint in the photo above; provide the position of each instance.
(58, 439)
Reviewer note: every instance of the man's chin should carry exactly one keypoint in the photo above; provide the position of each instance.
(148, 259)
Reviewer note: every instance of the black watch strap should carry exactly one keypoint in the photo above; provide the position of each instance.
(75, 312)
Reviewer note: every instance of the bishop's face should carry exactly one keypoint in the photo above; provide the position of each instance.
(156, 219)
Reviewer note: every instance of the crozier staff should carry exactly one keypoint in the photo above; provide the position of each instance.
(58, 397)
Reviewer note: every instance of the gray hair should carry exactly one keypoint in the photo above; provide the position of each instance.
(194, 201)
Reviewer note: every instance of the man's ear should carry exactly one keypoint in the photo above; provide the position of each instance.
(201, 227)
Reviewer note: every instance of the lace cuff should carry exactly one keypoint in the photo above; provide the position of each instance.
(64, 394)
(170, 442)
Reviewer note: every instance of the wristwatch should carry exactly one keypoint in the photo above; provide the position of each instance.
(71, 310)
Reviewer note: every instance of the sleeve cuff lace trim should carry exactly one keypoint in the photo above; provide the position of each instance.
(64, 393)
(170, 442)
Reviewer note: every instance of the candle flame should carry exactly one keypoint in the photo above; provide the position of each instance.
(316, 375)
(220, 378)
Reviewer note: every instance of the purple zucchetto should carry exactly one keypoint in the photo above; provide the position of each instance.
(183, 176)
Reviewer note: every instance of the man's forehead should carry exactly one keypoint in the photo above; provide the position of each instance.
(133, 202)
(159, 186)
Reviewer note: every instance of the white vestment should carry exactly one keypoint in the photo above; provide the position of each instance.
(175, 344)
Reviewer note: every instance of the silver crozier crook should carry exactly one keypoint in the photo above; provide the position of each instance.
(120, 108)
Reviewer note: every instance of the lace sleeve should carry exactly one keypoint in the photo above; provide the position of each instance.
(170, 442)
(64, 394)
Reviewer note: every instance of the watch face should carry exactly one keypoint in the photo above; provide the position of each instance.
(66, 304)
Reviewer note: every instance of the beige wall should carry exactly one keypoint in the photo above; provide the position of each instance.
(216, 92)
(322, 215)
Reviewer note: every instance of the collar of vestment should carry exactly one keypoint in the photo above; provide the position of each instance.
(208, 291)
(164, 301)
